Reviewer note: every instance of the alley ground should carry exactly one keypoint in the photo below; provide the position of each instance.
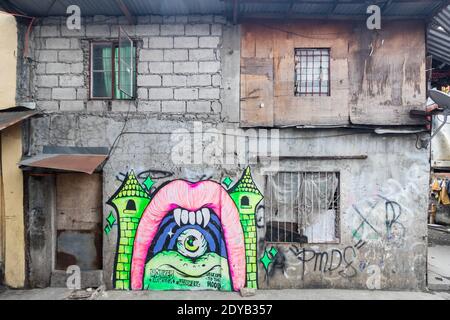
(439, 258)
(438, 279)
(310, 294)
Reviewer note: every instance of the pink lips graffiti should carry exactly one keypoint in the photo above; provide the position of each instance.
(191, 196)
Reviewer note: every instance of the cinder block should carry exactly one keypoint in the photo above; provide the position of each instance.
(70, 56)
(175, 55)
(185, 67)
(181, 19)
(169, 19)
(216, 80)
(151, 55)
(160, 94)
(201, 18)
(71, 81)
(64, 94)
(186, 94)
(76, 68)
(216, 107)
(172, 29)
(75, 43)
(201, 54)
(147, 30)
(57, 68)
(47, 81)
(48, 105)
(156, 19)
(74, 105)
(40, 68)
(142, 67)
(209, 67)
(209, 93)
(142, 93)
(160, 67)
(143, 20)
(220, 19)
(149, 80)
(98, 31)
(123, 106)
(197, 30)
(216, 30)
(174, 106)
(96, 106)
(185, 42)
(160, 42)
(47, 55)
(82, 94)
(209, 42)
(57, 43)
(199, 80)
(199, 106)
(149, 106)
(49, 31)
(44, 94)
(174, 81)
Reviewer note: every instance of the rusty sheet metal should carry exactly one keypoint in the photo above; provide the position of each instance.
(86, 163)
(8, 119)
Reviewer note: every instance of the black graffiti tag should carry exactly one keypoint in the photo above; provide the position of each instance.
(331, 260)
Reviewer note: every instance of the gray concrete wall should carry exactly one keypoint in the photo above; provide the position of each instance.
(203, 87)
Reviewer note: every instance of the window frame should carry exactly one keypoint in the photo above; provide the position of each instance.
(338, 217)
(113, 44)
(313, 94)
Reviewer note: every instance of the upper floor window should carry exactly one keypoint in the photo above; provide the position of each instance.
(113, 71)
(312, 72)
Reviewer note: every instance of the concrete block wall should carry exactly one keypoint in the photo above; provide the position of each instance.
(188, 70)
(178, 64)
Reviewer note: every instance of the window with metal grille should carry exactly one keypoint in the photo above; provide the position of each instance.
(312, 72)
(303, 207)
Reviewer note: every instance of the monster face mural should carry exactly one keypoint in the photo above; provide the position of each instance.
(190, 237)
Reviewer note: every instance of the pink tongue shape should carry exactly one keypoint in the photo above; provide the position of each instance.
(191, 196)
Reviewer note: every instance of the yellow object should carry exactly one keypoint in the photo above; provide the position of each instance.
(444, 195)
(12, 203)
(12, 237)
(8, 58)
(435, 185)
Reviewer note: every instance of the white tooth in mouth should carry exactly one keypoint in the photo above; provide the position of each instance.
(177, 216)
(192, 217)
(184, 216)
(206, 216)
(199, 217)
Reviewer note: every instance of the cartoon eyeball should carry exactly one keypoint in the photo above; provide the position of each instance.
(191, 243)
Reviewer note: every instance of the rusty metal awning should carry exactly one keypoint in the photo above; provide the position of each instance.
(9, 118)
(73, 159)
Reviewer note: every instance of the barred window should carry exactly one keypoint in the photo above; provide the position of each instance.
(303, 207)
(312, 72)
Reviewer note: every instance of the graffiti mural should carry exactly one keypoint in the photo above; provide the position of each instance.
(129, 201)
(185, 235)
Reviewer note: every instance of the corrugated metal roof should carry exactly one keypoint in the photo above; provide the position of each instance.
(438, 43)
(10, 118)
(246, 8)
(74, 159)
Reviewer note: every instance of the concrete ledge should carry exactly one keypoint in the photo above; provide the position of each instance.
(89, 279)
